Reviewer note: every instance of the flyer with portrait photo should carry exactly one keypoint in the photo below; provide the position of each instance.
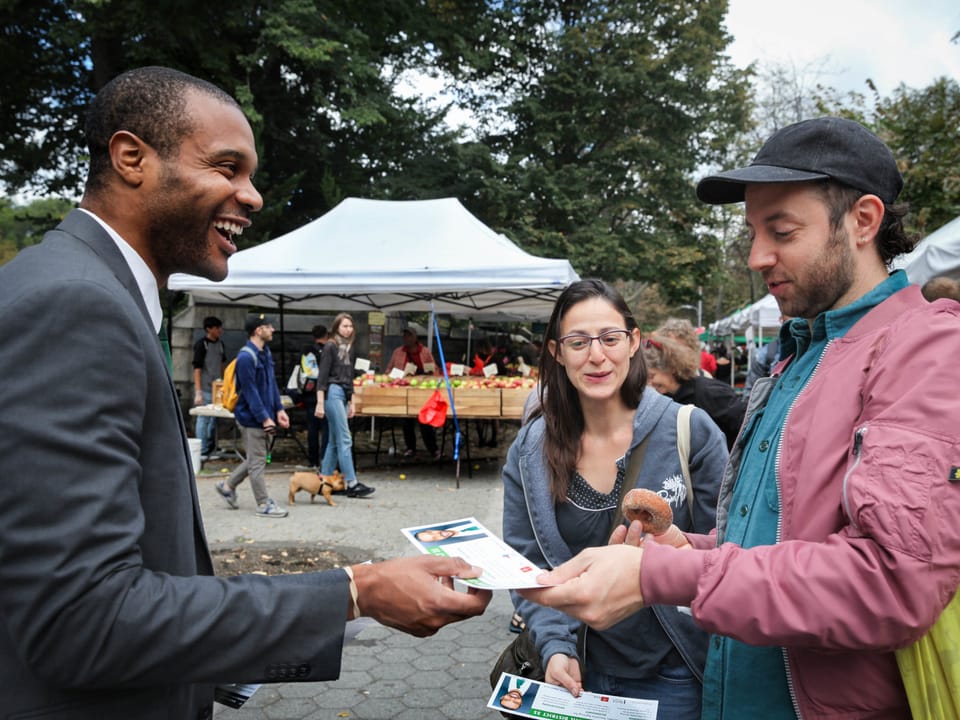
(503, 567)
(531, 699)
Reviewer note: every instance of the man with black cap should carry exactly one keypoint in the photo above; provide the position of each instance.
(258, 413)
(836, 539)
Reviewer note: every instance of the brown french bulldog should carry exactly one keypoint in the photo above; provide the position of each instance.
(315, 483)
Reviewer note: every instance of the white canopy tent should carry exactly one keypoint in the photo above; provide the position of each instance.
(937, 254)
(391, 255)
(763, 316)
(755, 321)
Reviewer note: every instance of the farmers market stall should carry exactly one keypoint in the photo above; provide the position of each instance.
(419, 255)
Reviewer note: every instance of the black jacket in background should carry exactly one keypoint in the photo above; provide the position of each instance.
(720, 401)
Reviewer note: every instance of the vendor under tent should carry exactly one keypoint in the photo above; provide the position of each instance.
(937, 254)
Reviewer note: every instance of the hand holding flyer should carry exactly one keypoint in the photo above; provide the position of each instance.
(531, 699)
(503, 567)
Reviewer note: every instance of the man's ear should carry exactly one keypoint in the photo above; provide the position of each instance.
(866, 214)
(129, 156)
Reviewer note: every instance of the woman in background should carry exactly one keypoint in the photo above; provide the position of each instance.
(335, 402)
(673, 369)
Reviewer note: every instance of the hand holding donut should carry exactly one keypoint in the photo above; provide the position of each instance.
(654, 516)
(650, 509)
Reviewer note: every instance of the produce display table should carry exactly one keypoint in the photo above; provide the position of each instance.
(220, 412)
(472, 403)
(489, 403)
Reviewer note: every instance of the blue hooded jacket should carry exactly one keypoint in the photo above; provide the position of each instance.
(530, 521)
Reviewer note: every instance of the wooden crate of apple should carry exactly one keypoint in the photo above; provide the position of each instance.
(483, 397)
(514, 394)
(373, 399)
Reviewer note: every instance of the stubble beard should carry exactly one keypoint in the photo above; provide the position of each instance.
(826, 279)
(178, 231)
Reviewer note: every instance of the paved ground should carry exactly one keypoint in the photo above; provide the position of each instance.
(386, 675)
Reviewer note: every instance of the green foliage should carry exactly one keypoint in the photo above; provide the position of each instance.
(611, 108)
(921, 127)
(317, 80)
(24, 225)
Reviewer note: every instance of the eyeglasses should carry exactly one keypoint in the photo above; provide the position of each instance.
(651, 343)
(609, 340)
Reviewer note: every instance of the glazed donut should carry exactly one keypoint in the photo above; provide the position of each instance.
(649, 508)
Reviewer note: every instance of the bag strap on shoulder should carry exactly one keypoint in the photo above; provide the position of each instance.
(683, 451)
(629, 480)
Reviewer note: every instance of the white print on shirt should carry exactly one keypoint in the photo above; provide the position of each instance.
(674, 491)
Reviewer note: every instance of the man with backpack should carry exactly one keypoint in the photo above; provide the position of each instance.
(258, 413)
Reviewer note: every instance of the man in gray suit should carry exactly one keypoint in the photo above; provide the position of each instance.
(108, 604)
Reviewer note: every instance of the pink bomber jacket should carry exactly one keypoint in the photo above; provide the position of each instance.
(870, 518)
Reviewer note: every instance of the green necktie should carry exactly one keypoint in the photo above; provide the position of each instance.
(165, 344)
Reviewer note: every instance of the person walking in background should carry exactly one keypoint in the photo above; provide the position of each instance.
(563, 480)
(673, 370)
(317, 431)
(108, 602)
(209, 360)
(414, 353)
(335, 403)
(837, 540)
(259, 412)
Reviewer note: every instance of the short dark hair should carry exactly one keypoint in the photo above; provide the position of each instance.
(149, 102)
(319, 332)
(892, 238)
(212, 321)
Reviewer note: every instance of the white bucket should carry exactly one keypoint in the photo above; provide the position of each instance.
(195, 445)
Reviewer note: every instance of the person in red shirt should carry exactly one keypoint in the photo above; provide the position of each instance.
(414, 352)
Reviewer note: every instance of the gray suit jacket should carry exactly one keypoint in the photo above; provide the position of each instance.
(108, 605)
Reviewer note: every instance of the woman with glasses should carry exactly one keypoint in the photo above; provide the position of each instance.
(563, 479)
(673, 369)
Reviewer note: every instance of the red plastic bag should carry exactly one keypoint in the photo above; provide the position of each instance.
(434, 410)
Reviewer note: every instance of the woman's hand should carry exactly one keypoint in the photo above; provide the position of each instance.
(564, 670)
(634, 535)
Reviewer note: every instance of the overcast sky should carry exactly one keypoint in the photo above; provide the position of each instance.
(889, 41)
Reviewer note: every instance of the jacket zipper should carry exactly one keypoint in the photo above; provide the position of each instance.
(776, 474)
(857, 445)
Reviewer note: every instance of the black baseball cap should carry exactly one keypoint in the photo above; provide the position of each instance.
(255, 321)
(827, 148)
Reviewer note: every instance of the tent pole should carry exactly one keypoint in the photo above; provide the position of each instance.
(283, 344)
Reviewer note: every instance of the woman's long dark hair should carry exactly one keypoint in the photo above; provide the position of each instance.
(559, 401)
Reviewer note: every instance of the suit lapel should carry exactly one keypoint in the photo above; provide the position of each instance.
(91, 233)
